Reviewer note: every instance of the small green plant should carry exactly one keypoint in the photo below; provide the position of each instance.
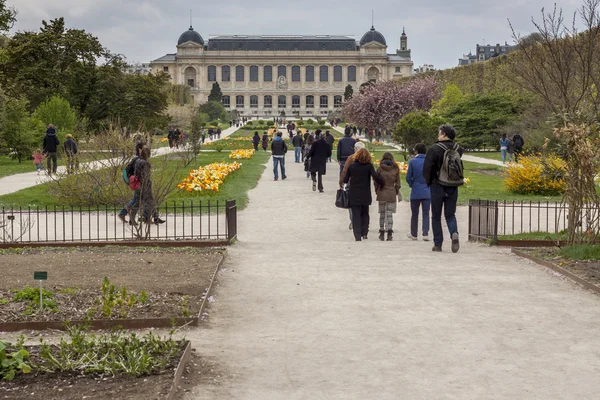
(116, 301)
(219, 147)
(13, 360)
(143, 297)
(4, 301)
(31, 296)
(185, 306)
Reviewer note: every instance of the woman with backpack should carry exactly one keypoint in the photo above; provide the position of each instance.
(388, 195)
(142, 185)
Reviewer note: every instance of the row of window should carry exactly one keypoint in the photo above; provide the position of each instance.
(281, 71)
(282, 101)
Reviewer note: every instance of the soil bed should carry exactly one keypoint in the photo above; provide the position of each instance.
(172, 282)
(71, 386)
(588, 270)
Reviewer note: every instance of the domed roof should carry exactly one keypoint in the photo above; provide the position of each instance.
(372, 36)
(190, 36)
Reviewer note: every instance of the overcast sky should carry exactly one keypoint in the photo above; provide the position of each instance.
(439, 31)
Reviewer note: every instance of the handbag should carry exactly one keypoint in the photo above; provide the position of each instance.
(341, 199)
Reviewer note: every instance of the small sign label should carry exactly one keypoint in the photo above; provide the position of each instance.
(40, 276)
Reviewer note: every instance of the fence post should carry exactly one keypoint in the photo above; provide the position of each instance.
(470, 211)
(495, 222)
(231, 219)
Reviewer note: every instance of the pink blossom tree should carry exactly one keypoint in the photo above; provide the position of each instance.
(382, 104)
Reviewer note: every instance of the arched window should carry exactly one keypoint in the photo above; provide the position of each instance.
(352, 73)
(190, 76)
(212, 73)
(253, 101)
(310, 101)
(226, 101)
(337, 101)
(310, 73)
(373, 74)
(225, 73)
(281, 101)
(268, 101)
(337, 73)
(268, 73)
(324, 101)
(282, 71)
(239, 101)
(324, 73)
(295, 101)
(239, 73)
(253, 74)
(295, 73)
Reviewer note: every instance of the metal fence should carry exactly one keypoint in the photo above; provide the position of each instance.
(205, 220)
(490, 219)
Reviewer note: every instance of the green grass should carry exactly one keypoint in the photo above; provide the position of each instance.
(489, 155)
(581, 252)
(535, 236)
(8, 166)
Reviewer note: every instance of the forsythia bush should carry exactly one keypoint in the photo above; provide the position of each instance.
(537, 175)
(210, 177)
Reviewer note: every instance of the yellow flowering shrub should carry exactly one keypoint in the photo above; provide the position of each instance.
(241, 154)
(208, 178)
(543, 175)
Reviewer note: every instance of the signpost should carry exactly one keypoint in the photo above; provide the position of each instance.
(40, 276)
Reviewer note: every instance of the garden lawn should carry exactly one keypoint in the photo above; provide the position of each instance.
(8, 166)
(490, 155)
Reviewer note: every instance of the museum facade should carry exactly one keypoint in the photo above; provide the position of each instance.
(268, 75)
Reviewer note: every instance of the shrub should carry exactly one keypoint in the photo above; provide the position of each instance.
(537, 175)
(310, 121)
(249, 123)
(299, 123)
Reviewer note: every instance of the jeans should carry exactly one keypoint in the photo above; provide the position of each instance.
(298, 153)
(52, 162)
(131, 204)
(425, 204)
(72, 164)
(342, 164)
(360, 221)
(314, 179)
(279, 161)
(503, 155)
(446, 197)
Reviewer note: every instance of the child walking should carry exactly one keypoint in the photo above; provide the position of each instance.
(388, 195)
(419, 195)
(37, 160)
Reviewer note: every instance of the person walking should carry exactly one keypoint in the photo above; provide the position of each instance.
(256, 140)
(70, 149)
(441, 168)
(345, 148)
(358, 176)
(218, 133)
(329, 139)
(349, 161)
(518, 142)
(510, 150)
(419, 194)
(297, 142)
(144, 197)
(319, 153)
(278, 150)
(503, 147)
(38, 158)
(388, 195)
(50, 147)
(170, 136)
(265, 141)
(307, 146)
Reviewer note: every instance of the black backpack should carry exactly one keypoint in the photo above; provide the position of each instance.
(451, 172)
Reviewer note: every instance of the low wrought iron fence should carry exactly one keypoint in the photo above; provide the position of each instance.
(184, 220)
(491, 219)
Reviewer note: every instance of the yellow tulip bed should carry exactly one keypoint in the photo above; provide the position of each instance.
(163, 140)
(241, 154)
(208, 178)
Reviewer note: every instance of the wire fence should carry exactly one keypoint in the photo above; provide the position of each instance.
(209, 220)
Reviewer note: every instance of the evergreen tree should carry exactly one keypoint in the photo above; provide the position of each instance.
(348, 92)
(215, 93)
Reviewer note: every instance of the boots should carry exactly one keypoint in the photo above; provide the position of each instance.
(382, 235)
(389, 237)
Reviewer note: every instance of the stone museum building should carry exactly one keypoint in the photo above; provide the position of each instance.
(267, 75)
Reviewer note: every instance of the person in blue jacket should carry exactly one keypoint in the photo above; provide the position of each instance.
(419, 194)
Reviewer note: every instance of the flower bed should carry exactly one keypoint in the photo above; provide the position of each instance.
(208, 178)
(241, 154)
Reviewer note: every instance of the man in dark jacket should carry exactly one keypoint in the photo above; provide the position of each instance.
(319, 153)
(297, 142)
(278, 149)
(345, 148)
(519, 142)
(329, 139)
(70, 149)
(441, 196)
(50, 147)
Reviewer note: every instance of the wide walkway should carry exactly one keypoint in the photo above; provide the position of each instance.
(14, 183)
(304, 312)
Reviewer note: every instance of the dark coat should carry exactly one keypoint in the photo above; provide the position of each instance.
(359, 176)
(416, 180)
(265, 141)
(434, 159)
(70, 147)
(330, 139)
(51, 141)
(345, 148)
(256, 139)
(278, 146)
(297, 141)
(319, 152)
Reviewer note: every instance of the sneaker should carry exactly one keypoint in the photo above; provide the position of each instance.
(426, 238)
(284, 178)
(321, 191)
(410, 236)
(314, 186)
(365, 237)
(122, 218)
(455, 242)
(275, 179)
(436, 248)
(159, 221)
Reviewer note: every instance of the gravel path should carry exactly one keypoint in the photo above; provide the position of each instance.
(304, 312)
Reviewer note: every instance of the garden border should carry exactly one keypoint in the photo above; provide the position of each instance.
(124, 243)
(558, 269)
(129, 324)
(530, 243)
(183, 360)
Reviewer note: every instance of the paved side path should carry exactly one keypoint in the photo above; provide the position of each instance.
(304, 312)
(14, 183)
